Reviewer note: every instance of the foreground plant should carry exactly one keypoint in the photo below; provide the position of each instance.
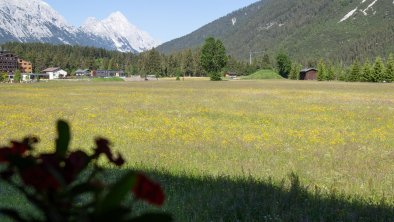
(53, 183)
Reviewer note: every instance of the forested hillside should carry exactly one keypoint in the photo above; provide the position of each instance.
(70, 58)
(340, 30)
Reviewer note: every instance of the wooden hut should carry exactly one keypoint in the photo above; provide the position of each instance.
(308, 74)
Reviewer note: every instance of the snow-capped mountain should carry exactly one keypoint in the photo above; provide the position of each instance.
(37, 21)
(124, 35)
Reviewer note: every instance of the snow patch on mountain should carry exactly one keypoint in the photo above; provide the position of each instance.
(369, 6)
(234, 20)
(118, 29)
(348, 15)
(364, 11)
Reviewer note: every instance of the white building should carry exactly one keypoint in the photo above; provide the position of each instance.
(55, 73)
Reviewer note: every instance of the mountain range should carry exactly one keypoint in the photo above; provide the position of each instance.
(306, 29)
(37, 21)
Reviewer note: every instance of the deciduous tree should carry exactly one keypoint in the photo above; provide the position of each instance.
(17, 76)
(283, 63)
(213, 57)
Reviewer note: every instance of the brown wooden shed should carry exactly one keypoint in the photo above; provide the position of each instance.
(308, 74)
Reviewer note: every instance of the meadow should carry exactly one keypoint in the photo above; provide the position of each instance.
(231, 150)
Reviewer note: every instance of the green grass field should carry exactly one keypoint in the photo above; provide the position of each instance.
(225, 150)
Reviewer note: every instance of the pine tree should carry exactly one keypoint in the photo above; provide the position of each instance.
(355, 72)
(266, 62)
(378, 70)
(152, 65)
(367, 72)
(187, 62)
(390, 69)
(330, 72)
(198, 69)
(295, 72)
(322, 71)
(110, 65)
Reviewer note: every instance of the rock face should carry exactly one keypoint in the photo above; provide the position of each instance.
(37, 21)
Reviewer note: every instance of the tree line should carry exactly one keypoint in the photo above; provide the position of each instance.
(152, 62)
(378, 71)
(190, 62)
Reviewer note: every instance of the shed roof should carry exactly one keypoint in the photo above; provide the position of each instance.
(309, 69)
(82, 70)
(231, 73)
(51, 69)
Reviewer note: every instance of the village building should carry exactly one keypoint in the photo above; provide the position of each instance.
(231, 75)
(108, 73)
(308, 74)
(82, 72)
(25, 66)
(8, 62)
(54, 73)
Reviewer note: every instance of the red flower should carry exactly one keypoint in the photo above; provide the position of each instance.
(148, 190)
(16, 150)
(74, 164)
(5, 154)
(103, 148)
(50, 160)
(19, 148)
(40, 178)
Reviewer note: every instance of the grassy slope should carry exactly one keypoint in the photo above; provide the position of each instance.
(204, 140)
(263, 74)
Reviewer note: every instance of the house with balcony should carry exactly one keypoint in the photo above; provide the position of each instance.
(54, 73)
(25, 66)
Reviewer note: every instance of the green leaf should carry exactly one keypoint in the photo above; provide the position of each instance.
(63, 139)
(117, 192)
(159, 217)
(12, 214)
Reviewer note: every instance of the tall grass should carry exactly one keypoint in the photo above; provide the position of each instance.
(337, 137)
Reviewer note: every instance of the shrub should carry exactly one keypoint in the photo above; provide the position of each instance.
(52, 182)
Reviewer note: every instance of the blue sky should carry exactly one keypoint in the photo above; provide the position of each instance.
(164, 20)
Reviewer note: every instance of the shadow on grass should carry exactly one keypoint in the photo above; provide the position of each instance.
(245, 199)
(223, 199)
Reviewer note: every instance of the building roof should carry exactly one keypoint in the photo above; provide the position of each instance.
(309, 69)
(231, 73)
(51, 69)
(82, 70)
